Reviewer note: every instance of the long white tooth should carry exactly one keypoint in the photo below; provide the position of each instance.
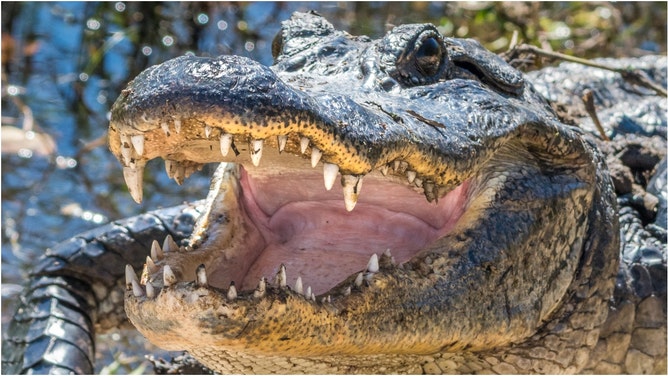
(126, 149)
(330, 170)
(351, 189)
(261, 288)
(304, 144)
(169, 168)
(207, 131)
(150, 265)
(225, 143)
(282, 141)
(165, 127)
(177, 125)
(168, 276)
(418, 182)
(308, 292)
(232, 292)
(316, 154)
(156, 251)
(200, 276)
(256, 152)
(281, 277)
(411, 176)
(372, 266)
(138, 143)
(136, 289)
(299, 287)
(134, 180)
(313, 297)
(150, 290)
(384, 169)
(347, 291)
(396, 166)
(130, 276)
(359, 279)
(169, 245)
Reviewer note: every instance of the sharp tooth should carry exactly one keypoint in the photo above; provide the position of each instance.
(168, 276)
(200, 276)
(207, 131)
(138, 143)
(372, 266)
(403, 166)
(304, 144)
(330, 171)
(261, 288)
(126, 153)
(136, 289)
(256, 152)
(156, 251)
(134, 180)
(179, 172)
(150, 290)
(144, 275)
(351, 189)
(177, 125)
(396, 166)
(282, 141)
(169, 168)
(429, 191)
(165, 127)
(225, 143)
(126, 149)
(299, 287)
(150, 265)
(384, 169)
(308, 292)
(130, 276)
(347, 291)
(411, 176)
(232, 292)
(281, 277)
(313, 297)
(359, 279)
(316, 154)
(418, 182)
(169, 245)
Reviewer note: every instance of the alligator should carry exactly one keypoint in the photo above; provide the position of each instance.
(486, 237)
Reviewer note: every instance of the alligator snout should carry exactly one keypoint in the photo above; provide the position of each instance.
(459, 186)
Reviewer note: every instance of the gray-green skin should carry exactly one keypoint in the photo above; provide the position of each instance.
(523, 284)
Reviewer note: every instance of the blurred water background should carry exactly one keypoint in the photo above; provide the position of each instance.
(64, 64)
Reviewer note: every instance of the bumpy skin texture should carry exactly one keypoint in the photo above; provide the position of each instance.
(522, 285)
(65, 304)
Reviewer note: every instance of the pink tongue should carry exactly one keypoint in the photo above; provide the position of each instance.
(308, 229)
(324, 244)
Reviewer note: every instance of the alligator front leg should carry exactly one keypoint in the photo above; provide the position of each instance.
(53, 330)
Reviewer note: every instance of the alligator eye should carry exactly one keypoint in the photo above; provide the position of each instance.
(428, 56)
(277, 44)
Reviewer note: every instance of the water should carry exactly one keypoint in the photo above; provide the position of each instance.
(63, 65)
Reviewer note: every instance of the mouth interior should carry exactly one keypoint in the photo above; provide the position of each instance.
(298, 223)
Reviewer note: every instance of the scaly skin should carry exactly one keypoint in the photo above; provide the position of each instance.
(536, 241)
(520, 282)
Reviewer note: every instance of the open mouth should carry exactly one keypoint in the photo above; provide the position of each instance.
(286, 213)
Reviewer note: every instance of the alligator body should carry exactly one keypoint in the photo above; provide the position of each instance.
(473, 230)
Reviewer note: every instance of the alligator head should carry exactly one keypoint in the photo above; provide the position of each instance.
(470, 223)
